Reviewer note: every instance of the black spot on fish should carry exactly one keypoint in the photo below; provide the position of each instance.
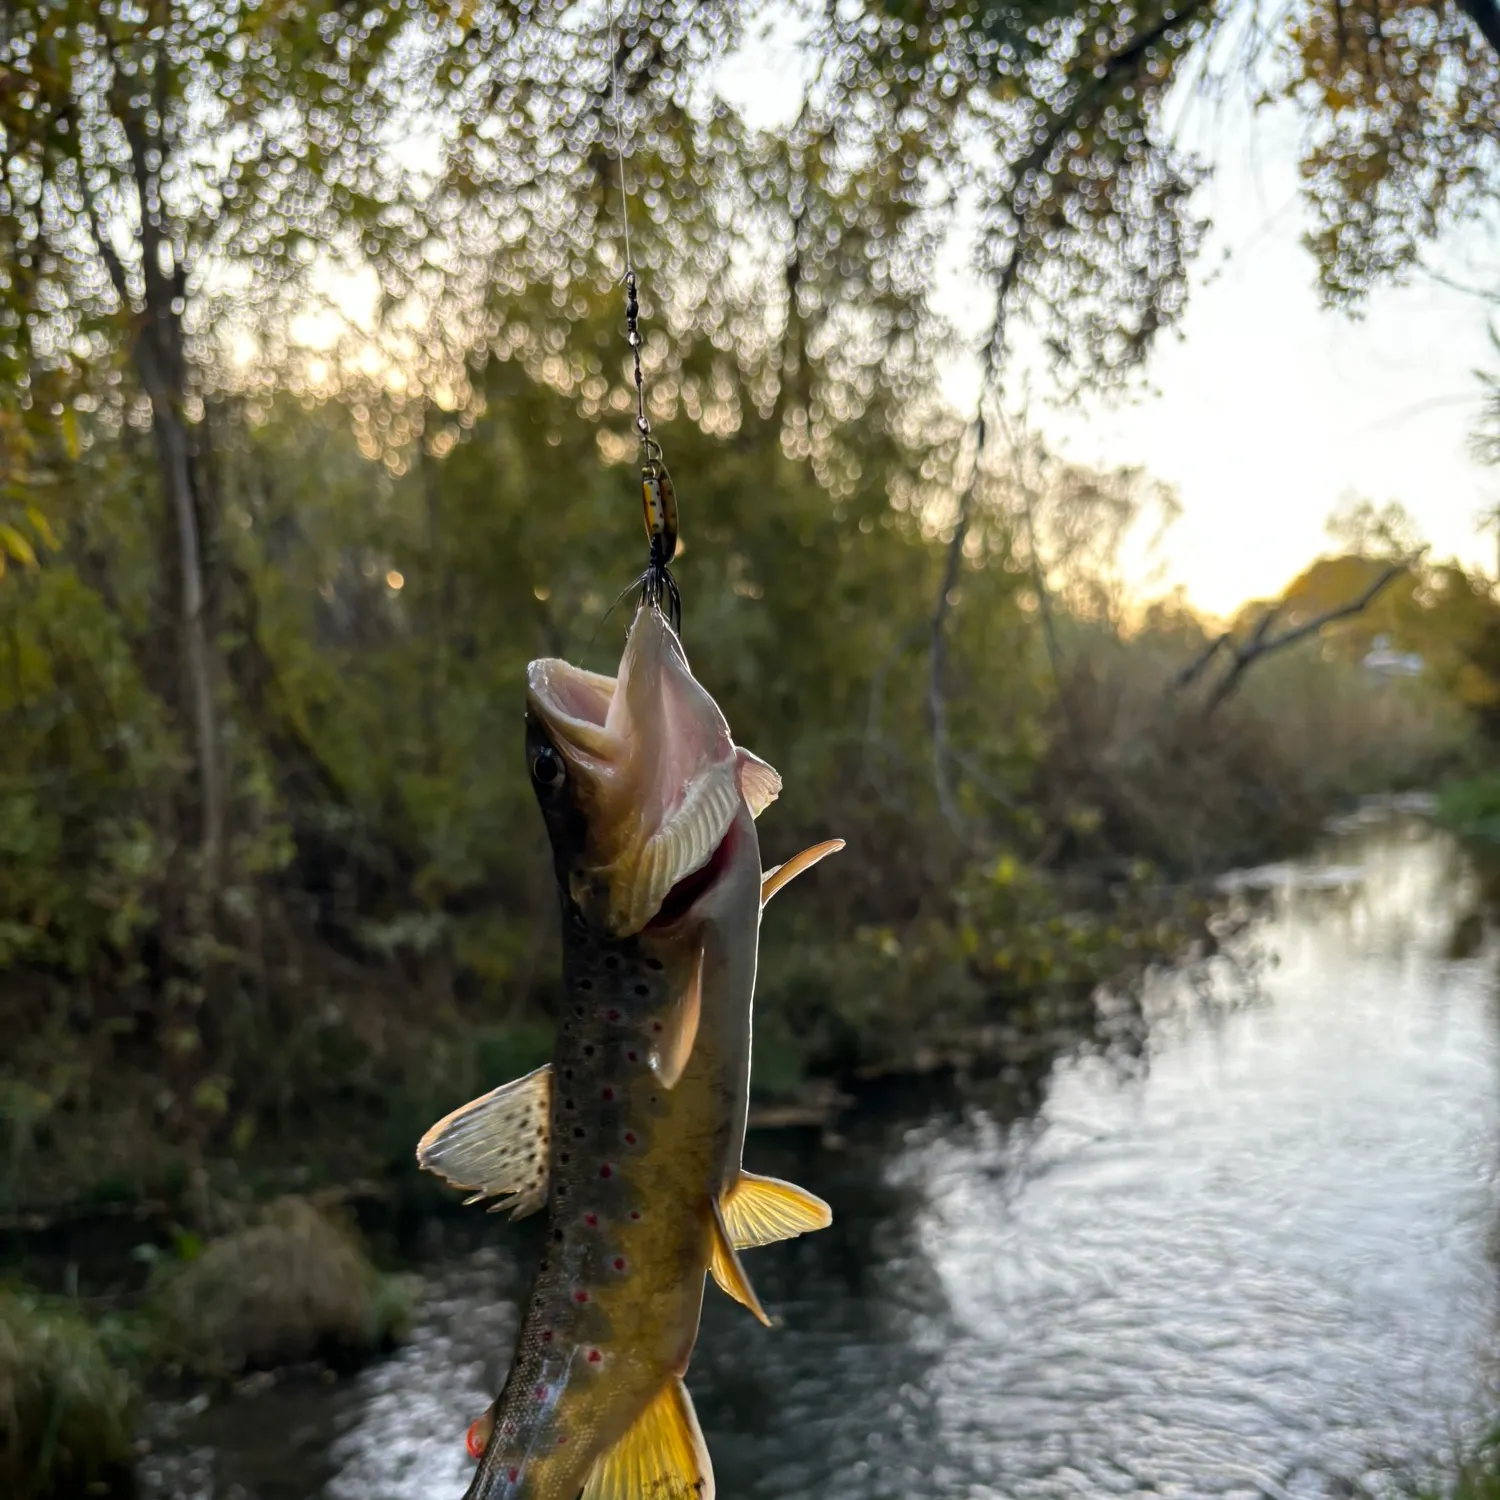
(643, 989)
(654, 963)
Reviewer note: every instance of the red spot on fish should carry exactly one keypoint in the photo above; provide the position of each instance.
(546, 1335)
(619, 1262)
(592, 1220)
(595, 1357)
(606, 1170)
(656, 1026)
(635, 1214)
(512, 1474)
(630, 1137)
(632, 1057)
(614, 1015)
(541, 1393)
(562, 1437)
(580, 1296)
(475, 1440)
(607, 1094)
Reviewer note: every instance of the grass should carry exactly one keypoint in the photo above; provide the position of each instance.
(67, 1406)
(296, 1285)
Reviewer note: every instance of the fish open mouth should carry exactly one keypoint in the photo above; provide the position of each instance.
(652, 772)
(572, 703)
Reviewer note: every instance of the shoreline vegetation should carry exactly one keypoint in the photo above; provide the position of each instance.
(215, 1064)
(203, 1062)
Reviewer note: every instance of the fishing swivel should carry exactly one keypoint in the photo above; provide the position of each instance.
(658, 498)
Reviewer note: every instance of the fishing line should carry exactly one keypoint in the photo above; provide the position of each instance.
(658, 498)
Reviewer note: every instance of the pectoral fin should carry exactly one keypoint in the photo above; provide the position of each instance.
(724, 1264)
(778, 875)
(663, 1456)
(498, 1145)
(762, 1210)
(760, 784)
(681, 1029)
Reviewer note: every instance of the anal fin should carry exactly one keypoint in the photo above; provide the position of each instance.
(725, 1267)
(761, 1210)
(777, 876)
(498, 1145)
(662, 1457)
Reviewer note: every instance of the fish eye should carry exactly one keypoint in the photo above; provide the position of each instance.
(547, 768)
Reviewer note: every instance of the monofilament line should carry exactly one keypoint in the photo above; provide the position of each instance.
(614, 79)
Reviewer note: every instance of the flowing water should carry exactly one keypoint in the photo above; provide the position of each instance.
(1249, 1254)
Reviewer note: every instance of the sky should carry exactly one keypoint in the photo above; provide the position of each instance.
(1265, 410)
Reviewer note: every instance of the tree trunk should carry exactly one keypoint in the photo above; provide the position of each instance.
(173, 446)
(160, 356)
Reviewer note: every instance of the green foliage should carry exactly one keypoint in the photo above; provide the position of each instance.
(275, 888)
(295, 1285)
(1470, 805)
(67, 1407)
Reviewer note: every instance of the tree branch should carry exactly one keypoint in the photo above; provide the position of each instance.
(1262, 643)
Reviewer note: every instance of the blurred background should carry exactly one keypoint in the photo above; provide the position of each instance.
(1085, 420)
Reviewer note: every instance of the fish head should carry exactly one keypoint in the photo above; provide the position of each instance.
(637, 776)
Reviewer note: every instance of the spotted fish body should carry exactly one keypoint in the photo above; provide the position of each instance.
(632, 1135)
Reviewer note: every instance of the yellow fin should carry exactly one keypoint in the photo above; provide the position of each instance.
(662, 1457)
(778, 875)
(724, 1263)
(762, 1210)
(498, 1145)
(671, 1057)
(760, 784)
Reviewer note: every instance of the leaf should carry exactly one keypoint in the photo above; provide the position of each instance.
(13, 542)
(43, 528)
(70, 433)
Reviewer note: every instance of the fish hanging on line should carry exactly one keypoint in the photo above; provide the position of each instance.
(632, 1136)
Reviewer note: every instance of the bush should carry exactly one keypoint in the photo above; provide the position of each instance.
(297, 1285)
(66, 1409)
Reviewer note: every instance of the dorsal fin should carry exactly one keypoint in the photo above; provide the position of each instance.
(777, 876)
(762, 1210)
(498, 1145)
(662, 1456)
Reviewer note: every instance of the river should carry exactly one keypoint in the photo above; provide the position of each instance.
(1251, 1252)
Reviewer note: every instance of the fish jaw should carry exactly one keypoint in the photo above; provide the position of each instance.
(651, 784)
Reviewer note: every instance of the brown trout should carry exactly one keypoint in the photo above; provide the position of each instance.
(632, 1135)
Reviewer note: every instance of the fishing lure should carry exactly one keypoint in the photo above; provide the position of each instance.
(658, 497)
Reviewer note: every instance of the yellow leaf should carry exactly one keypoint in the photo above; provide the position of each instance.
(70, 432)
(19, 548)
(43, 527)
